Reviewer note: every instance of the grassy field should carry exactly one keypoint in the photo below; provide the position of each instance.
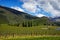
(29, 33)
(33, 38)
(39, 30)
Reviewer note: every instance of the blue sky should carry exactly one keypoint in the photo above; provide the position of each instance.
(31, 7)
(10, 3)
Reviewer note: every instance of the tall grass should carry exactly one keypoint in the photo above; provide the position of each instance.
(38, 30)
(36, 38)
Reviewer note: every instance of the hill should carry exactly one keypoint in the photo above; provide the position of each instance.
(17, 18)
(56, 20)
(14, 17)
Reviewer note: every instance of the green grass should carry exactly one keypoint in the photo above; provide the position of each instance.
(6, 31)
(36, 38)
(39, 30)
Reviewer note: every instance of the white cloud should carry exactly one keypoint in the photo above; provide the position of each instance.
(17, 8)
(30, 6)
(50, 6)
(40, 15)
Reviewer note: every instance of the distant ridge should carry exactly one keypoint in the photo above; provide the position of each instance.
(13, 16)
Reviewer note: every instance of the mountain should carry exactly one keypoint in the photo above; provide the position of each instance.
(56, 21)
(13, 17)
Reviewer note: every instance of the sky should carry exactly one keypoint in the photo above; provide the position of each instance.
(39, 8)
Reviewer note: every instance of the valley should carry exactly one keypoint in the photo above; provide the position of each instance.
(15, 24)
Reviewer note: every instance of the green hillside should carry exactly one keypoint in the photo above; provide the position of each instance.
(3, 19)
(14, 17)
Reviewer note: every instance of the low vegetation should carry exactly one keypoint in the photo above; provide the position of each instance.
(6, 30)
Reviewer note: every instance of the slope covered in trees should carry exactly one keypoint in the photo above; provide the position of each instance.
(16, 18)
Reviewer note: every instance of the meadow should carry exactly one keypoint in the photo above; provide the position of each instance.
(34, 38)
(29, 33)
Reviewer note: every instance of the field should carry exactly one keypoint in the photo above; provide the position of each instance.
(33, 38)
(29, 33)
